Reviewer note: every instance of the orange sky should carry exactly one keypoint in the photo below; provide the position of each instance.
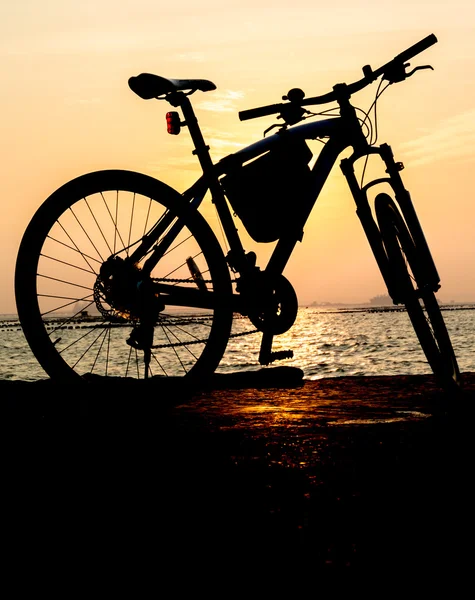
(66, 109)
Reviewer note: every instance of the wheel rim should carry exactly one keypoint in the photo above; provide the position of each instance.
(421, 304)
(74, 331)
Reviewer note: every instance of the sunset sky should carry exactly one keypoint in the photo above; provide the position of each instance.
(66, 109)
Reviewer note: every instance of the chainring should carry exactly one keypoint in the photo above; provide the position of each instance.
(273, 306)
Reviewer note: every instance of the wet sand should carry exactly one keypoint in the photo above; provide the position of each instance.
(349, 474)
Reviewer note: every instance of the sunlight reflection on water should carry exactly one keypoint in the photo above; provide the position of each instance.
(325, 344)
(407, 415)
(338, 343)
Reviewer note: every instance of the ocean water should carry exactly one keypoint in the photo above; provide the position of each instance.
(325, 343)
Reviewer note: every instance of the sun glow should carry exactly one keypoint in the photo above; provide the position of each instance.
(68, 110)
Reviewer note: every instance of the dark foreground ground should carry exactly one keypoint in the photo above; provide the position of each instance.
(263, 474)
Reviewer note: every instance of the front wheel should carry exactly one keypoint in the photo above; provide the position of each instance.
(79, 321)
(409, 288)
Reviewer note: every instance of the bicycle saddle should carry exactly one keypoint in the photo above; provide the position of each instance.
(149, 86)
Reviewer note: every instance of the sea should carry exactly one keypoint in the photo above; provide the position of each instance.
(325, 341)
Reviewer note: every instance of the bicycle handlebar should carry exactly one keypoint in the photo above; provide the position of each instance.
(416, 49)
(370, 76)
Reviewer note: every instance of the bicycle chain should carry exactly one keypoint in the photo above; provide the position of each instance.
(178, 344)
(170, 280)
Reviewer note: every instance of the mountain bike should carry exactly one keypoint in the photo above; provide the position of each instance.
(120, 275)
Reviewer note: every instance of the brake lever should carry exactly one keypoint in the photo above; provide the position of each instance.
(280, 126)
(398, 72)
(418, 69)
(290, 118)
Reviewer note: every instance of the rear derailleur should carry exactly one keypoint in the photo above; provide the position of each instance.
(122, 292)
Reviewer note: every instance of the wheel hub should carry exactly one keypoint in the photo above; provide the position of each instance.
(122, 292)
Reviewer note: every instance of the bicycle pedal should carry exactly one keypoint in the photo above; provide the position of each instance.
(133, 343)
(279, 355)
(140, 339)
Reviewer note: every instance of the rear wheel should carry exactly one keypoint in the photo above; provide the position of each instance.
(81, 313)
(410, 289)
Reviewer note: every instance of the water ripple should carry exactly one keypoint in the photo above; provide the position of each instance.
(325, 344)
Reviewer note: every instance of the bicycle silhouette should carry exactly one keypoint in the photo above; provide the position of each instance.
(118, 274)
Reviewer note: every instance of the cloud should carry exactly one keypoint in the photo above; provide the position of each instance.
(452, 138)
(219, 142)
(222, 143)
(224, 101)
(191, 57)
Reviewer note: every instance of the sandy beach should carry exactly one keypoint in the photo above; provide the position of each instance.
(347, 474)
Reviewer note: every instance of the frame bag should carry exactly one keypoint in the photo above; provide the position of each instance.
(269, 193)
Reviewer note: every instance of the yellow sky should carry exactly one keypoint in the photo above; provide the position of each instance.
(66, 109)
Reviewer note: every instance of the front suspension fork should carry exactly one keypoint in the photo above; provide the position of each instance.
(403, 199)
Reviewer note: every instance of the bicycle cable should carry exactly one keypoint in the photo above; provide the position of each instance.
(373, 129)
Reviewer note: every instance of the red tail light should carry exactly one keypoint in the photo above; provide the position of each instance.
(173, 123)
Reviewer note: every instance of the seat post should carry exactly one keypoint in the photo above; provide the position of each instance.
(201, 148)
(217, 194)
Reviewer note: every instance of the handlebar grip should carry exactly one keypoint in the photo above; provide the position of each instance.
(262, 111)
(428, 41)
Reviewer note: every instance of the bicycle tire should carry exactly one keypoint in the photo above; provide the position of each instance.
(68, 239)
(421, 304)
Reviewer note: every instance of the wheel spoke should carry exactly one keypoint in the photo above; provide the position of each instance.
(78, 298)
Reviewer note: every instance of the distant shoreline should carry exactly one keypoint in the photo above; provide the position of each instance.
(324, 306)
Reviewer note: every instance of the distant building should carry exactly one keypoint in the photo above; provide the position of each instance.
(381, 300)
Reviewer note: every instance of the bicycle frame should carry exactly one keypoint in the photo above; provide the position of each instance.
(126, 281)
(341, 132)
